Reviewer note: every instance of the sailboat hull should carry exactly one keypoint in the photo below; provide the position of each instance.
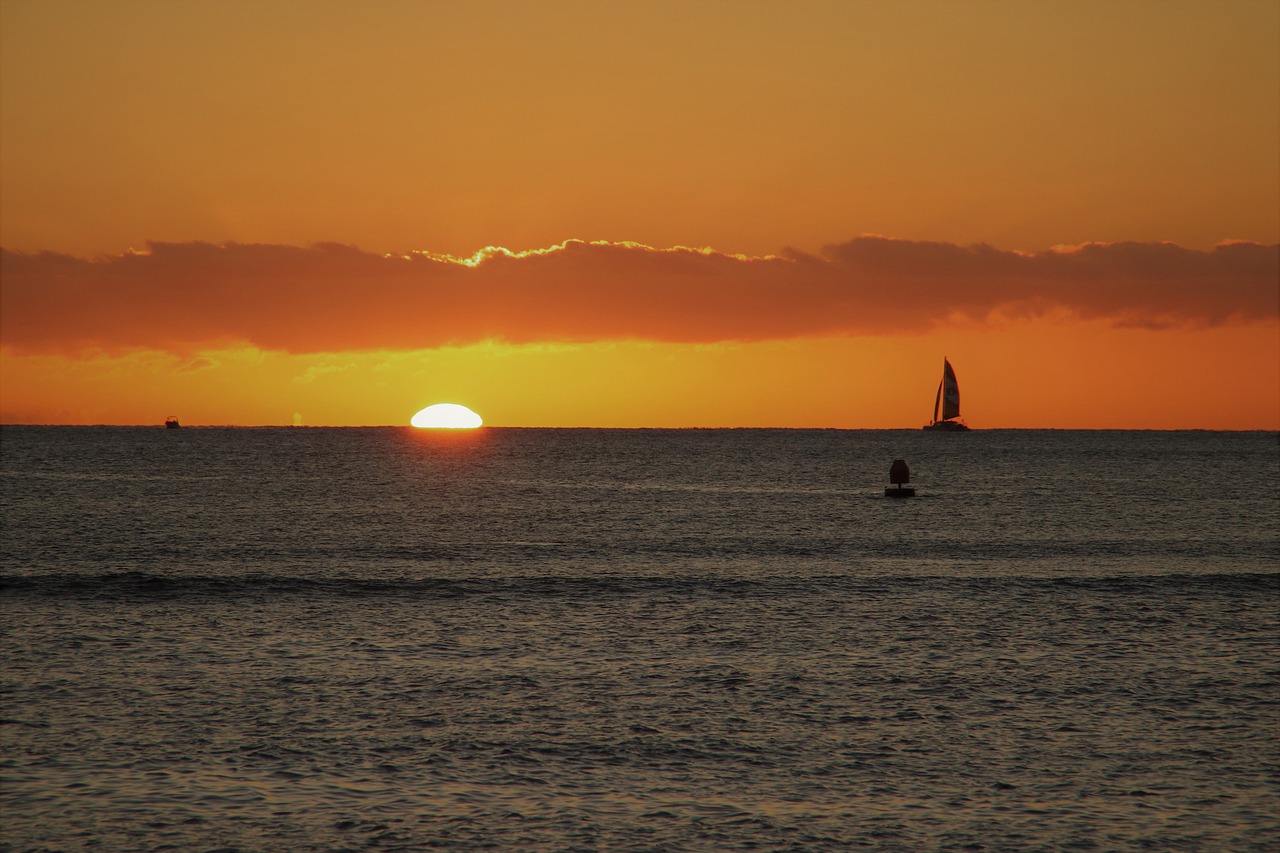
(946, 426)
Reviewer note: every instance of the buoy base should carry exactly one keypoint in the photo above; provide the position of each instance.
(898, 492)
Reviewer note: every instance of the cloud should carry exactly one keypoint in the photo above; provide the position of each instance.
(181, 297)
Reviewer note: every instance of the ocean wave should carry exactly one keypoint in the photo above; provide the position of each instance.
(134, 584)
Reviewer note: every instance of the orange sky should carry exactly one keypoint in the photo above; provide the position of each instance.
(258, 212)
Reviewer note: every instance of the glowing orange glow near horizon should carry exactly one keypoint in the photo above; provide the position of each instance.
(1063, 374)
(784, 216)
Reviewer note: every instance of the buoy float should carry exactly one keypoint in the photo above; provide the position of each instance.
(899, 475)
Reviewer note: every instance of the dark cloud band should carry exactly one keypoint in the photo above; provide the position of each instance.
(329, 297)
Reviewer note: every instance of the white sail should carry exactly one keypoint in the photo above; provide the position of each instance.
(950, 393)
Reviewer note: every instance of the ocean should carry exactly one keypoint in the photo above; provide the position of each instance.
(312, 639)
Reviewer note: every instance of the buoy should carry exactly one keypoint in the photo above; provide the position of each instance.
(899, 475)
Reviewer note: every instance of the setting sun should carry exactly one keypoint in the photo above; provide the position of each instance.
(446, 416)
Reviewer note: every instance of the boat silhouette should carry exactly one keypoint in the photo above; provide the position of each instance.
(947, 403)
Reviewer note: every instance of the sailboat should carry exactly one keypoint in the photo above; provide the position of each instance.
(947, 403)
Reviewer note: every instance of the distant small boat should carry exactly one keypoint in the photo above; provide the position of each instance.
(171, 422)
(947, 403)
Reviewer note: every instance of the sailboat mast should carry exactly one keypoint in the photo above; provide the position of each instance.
(937, 401)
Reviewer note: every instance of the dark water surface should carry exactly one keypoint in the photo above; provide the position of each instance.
(383, 639)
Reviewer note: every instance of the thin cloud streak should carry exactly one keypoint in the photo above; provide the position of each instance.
(181, 297)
